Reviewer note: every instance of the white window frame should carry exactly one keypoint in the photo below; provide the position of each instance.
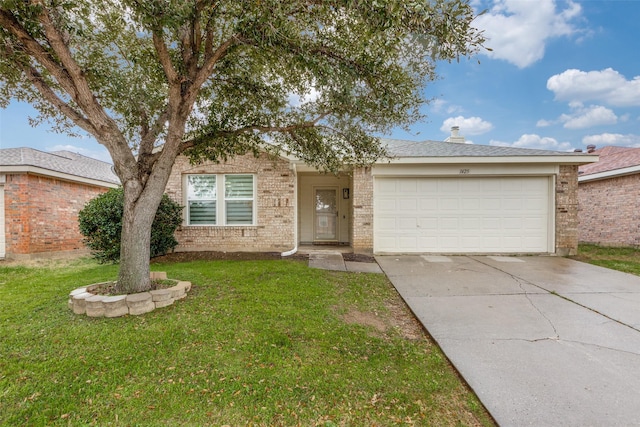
(221, 201)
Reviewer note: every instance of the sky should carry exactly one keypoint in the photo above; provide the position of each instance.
(560, 75)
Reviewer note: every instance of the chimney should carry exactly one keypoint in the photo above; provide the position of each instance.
(591, 148)
(455, 136)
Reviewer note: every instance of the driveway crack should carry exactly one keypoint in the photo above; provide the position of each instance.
(521, 283)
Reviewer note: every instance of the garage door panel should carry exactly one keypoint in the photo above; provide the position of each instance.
(407, 186)
(386, 224)
(408, 223)
(388, 205)
(428, 223)
(449, 203)
(408, 204)
(457, 215)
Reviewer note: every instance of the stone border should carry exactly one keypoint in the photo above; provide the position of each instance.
(83, 301)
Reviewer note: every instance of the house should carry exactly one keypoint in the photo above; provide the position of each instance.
(428, 197)
(40, 197)
(609, 198)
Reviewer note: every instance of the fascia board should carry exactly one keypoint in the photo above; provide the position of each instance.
(609, 174)
(54, 174)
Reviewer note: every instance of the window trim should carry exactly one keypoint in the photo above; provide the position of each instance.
(221, 200)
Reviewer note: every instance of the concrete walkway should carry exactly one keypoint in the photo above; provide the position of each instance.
(543, 341)
(333, 260)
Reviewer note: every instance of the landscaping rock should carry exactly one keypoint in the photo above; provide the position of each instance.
(140, 303)
(161, 297)
(115, 306)
(178, 291)
(85, 301)
(158, 275)
(79, 304)
(94, 306)
(187, 285)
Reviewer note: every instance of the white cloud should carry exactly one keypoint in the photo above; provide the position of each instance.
(440, 105)
(535, 141)
(607, 86)
(518, 30)
(296, 100)
(582, 117)
(618, 139)
(594, 115)
(468, 125)
(94, 154)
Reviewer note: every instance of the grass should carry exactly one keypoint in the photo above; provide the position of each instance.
(623, 259)
(254, 343)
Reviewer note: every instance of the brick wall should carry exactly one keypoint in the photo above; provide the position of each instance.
(362, 215)
(609, 211)
(41, 214)
(567, 210)
(275, 204)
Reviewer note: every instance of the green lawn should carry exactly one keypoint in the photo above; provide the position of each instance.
(254, 343)
(623, 259)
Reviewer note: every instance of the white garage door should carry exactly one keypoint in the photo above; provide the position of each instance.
(462, 215)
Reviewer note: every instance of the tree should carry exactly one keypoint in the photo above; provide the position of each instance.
(100, 222)
(153, 79)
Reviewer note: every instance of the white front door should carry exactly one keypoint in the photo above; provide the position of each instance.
(326, 214)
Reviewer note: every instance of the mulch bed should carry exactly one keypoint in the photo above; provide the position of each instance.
(246, 256)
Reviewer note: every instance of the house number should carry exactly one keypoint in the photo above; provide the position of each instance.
(464, 171)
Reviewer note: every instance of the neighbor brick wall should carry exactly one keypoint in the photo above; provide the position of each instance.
(609, 211)
(567, 210)
(275, 200)
(41, 214)
(362, 216)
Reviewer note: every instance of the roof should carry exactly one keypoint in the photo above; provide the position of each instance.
(399, 148)
(61, 162)
(617, 160)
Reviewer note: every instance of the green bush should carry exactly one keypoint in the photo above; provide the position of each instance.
(101, 224)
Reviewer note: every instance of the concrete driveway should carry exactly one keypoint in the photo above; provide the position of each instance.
(543, 341)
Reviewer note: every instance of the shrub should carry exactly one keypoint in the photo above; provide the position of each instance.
(101, 224)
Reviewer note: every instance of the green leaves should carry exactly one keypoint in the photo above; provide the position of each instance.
(234, 68)
(100, 222)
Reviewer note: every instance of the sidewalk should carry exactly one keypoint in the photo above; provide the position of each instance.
(333, 260)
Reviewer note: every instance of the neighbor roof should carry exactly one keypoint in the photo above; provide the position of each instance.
(63, 162)
(612, 158)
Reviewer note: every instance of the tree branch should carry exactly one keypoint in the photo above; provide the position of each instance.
(164, 58)
(47, 93)
(253, 128)
(31, 47)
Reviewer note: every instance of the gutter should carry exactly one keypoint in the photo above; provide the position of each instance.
(609, 174)
(295, 215)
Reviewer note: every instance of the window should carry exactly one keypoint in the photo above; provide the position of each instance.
(206, 208)
(238, 198)
(201, 199)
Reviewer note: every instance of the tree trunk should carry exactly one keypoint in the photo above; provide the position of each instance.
(140, 206)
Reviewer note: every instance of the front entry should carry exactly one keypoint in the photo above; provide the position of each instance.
(326, 215)
(324, 209)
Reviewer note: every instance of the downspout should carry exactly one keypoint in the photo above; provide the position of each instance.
(295, 215)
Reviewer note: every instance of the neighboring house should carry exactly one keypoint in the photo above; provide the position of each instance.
(40, 197)
(430, 197)
(609, 198)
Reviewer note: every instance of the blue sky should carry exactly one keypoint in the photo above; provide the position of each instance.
(561, 75)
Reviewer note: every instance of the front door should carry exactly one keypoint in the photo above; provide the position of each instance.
(326, 215)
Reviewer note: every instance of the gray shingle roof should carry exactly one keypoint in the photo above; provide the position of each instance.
(59, 161)
(400, 148)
